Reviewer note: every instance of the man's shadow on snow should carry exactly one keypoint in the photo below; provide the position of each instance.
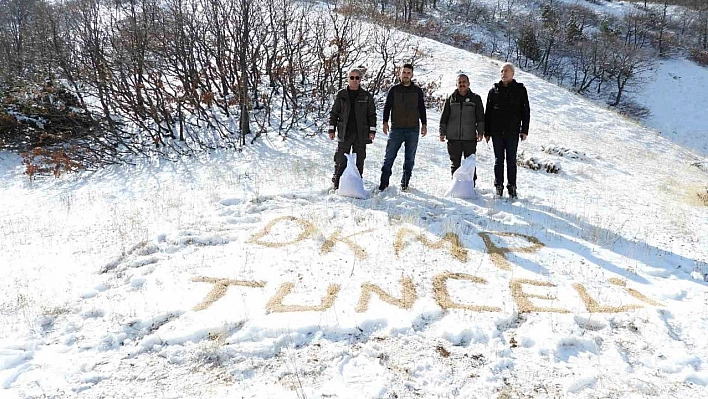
(553, 228)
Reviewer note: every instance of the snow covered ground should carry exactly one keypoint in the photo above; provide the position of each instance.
(240, 275)
(673, 92)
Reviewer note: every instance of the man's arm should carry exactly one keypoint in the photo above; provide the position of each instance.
(387, 109)
(444, 119)
(488, 115)
(334, 117)
(371, 116)
(525, 111)
(479, 117)
(421, 112)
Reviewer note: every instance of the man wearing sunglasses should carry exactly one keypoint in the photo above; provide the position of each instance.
(353, 115)
(405, 106)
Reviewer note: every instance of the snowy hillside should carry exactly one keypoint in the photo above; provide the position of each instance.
(667, 92)
(670, 91)
(240, 275)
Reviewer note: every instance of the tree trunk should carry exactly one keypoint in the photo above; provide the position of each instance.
(662, 29)
(244, 122)
(621, 83)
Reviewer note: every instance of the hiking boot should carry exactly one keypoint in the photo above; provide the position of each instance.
(499, 190)
(512, 191)
(384, 180)
(405, 180)
(335, 182)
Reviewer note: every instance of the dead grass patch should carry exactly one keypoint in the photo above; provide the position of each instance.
(221, 285)
(442, 295)
(522, 298)
(275, 304)
(703, 196)
(408, 295)
(307, 230)
(456, 248)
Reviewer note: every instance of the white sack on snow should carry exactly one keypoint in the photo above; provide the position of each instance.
(463, 180)
(351, 184)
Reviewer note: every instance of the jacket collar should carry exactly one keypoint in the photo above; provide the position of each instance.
(501, 84)
(470, 93)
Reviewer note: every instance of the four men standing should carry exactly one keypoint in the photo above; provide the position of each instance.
(463, 123)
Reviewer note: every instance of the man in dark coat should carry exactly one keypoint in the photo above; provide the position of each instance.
(462, 123)
(353, 115)
(506, 121)
(405, 104)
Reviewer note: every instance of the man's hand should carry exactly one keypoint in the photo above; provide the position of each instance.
(523, 136)
(480, 137)
(424, 130)
(385, 128)
(442, 137)
(331, 134)
(371, 136)
(486, 138)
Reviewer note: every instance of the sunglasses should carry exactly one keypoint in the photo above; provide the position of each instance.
(354, 77)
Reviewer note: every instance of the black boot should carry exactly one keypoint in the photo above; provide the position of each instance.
(512, 191)
(383, 185)
(335, 182)
(500, 190)
(404, 181)
(384, 180)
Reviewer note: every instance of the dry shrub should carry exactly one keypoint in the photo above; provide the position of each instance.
(431, 89)
(703, 196)
(534, 163)
(43, 161)
(700, 56)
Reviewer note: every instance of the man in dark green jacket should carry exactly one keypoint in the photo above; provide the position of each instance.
(462, 123)
(353, 116)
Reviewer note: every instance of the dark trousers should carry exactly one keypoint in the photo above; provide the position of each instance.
(457, 148)
(505, 147)
(396, 138)
(340, 161)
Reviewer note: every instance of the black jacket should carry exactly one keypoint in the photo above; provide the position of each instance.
(462, 117)
(507, 110)
(365, 115)
(405, 105)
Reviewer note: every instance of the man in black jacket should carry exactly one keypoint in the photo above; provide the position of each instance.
(405, 105)
(462, 123)
(506, 120)
(353, 114)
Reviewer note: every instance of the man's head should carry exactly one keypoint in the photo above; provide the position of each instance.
(406, 74)
(463, 83)
(354, 79)
(507, 73)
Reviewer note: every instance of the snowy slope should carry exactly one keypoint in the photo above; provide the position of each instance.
(240, 275)
(673, 92)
